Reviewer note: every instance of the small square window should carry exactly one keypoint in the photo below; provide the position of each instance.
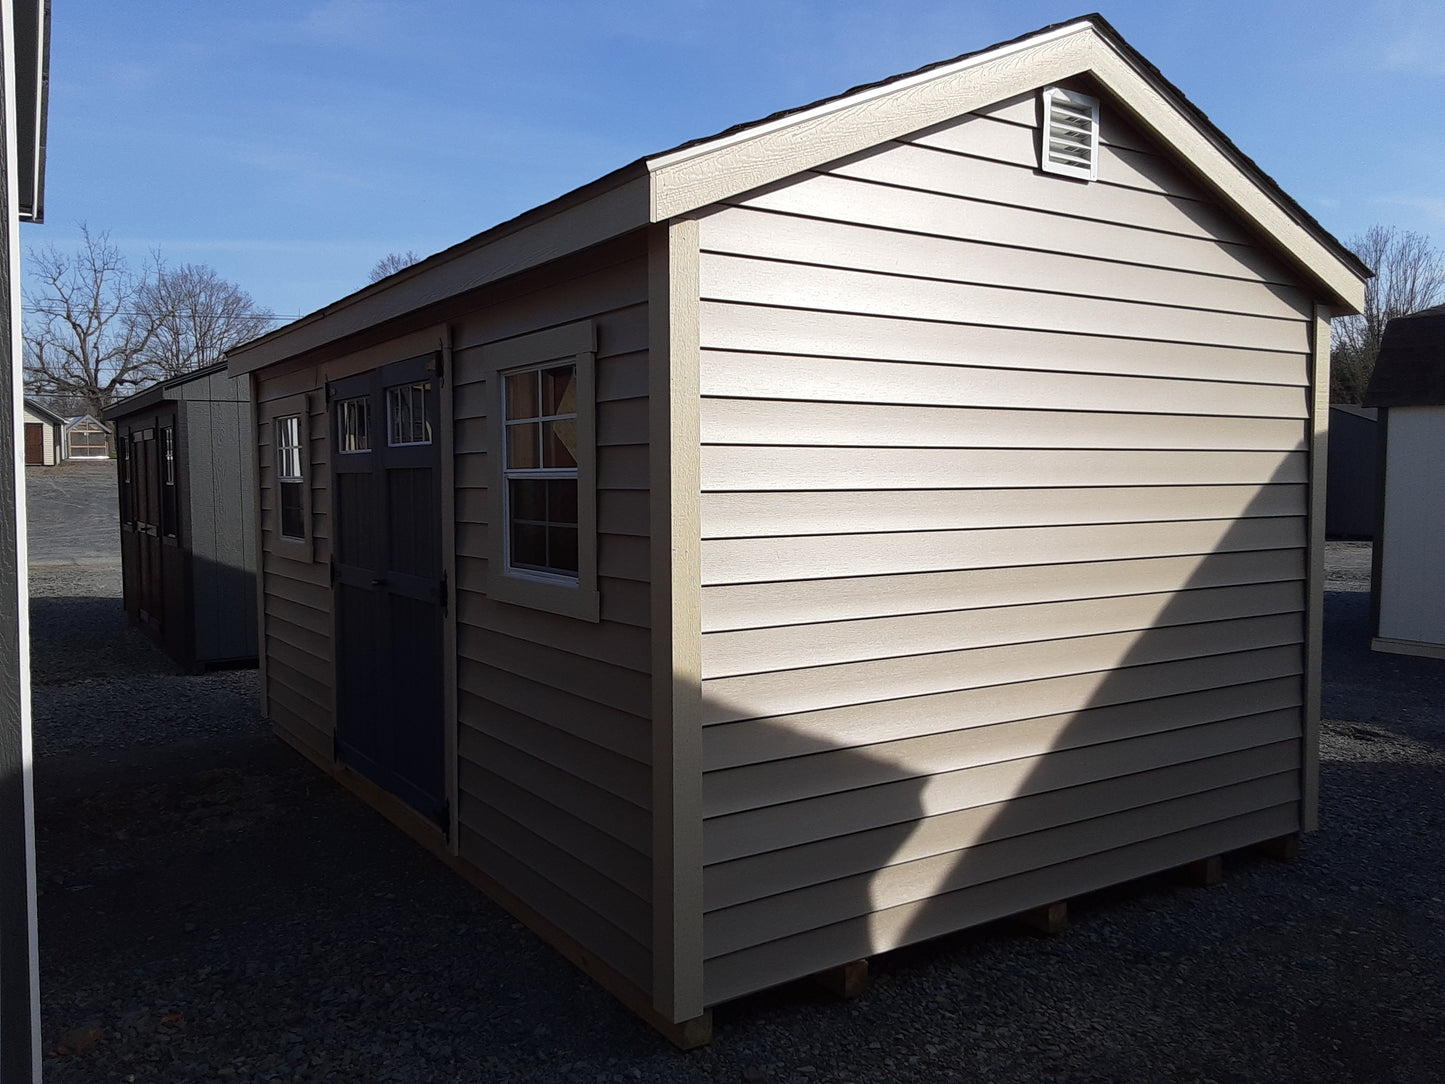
(353, 425)
(406, 409)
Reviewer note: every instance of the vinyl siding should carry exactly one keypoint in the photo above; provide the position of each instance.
(554, 772)
(296, 620)
(1004, 507)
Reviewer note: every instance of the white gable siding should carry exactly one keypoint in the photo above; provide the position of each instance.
(1003, 529)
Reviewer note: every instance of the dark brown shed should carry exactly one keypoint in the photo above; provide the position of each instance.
(186, 515)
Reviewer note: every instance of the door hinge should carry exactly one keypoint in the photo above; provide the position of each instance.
(442, 591)
(331, 568)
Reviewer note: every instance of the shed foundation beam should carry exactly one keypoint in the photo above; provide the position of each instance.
(1047, 920)
(1281, 848)
(846, 981)
(1204, 873)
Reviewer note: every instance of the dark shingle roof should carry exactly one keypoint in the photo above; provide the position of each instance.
(1410, 370)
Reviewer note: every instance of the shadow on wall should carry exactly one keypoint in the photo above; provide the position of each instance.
(1074, 738)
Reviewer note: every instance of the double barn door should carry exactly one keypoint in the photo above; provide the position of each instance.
(388, 585)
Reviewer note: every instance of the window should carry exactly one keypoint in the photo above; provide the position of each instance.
(289, 479)
(168, 476)
(406, 412)
(127, 481)
(1069, 140)
(541, 420)
(353, 425)
(540, 449)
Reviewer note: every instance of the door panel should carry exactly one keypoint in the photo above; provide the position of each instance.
(388, 593)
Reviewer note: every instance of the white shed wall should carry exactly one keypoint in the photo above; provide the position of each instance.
(1412, 589)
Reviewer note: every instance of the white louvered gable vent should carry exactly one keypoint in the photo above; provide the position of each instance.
(1070, 137)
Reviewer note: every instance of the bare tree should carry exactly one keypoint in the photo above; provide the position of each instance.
(95, 330)
(1409, 276)
(85, 339)
(391, 263)
(198, 316)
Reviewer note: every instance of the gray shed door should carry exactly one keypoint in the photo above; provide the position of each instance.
(387, 580)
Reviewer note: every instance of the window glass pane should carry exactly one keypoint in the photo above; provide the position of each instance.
(522, 395)
(529, 545)
(353, 425)
(529, 499)
(407, 408)
(562, 549)
(559, 390)
(522, 446)
(562, 500)
(292, 521)
(559, 443)
(288, 447)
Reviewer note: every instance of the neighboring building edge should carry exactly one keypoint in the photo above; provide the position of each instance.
(25, 51)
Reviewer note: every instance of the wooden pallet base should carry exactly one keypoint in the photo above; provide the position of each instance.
(1050, 919)
(1202, 873)
(846, 981)
(1281, 848)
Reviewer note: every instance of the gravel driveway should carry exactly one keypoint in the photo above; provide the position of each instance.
(215, 909)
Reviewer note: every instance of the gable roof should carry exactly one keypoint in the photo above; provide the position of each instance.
(747, 156)
(1410, 369)
(42, 411)
(161, 389)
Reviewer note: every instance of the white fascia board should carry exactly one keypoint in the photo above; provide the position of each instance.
(694, 177)
(1218, 168)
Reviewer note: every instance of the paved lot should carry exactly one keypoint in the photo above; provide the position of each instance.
(73, 514)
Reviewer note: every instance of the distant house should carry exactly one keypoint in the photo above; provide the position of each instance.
(1408, 387)
(891, 515)
(86, 437)
(43, 428)
(187, 521)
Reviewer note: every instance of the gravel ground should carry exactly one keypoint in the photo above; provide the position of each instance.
(215, 909)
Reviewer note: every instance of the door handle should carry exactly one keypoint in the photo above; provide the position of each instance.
(378, 582)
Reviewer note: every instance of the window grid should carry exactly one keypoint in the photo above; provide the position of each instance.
(406, 409)
(353, 425)
(288, 476)
(540, 468)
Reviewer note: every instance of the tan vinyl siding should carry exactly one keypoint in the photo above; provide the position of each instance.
(554, 743)
(295, 583)
(1004, 495)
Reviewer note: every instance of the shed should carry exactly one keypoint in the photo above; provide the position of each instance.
(43, 427)
(890, 515)
(187, 518)
(1352, 500)
(86, 437)
(1408, 388)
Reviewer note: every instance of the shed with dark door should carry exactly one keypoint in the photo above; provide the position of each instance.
(43, 429)
(187, 515)
(1408, 388)
(897, 513)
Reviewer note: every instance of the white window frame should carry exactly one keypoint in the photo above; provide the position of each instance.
(573, 596)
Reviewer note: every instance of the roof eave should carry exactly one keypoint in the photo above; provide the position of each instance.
(609, 207)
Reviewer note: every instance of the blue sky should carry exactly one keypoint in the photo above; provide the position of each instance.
(290, 145)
